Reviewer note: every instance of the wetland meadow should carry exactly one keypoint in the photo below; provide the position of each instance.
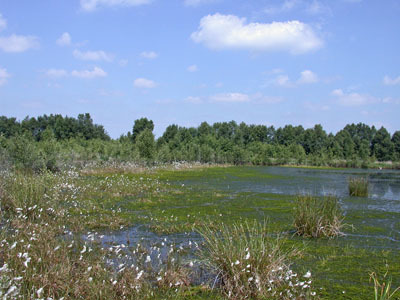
(131, 232)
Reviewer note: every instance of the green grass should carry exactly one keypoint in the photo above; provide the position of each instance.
(318, 217)
(383, 289)
(358, 187)
(250, 262)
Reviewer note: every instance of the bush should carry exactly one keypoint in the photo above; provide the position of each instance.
(315, 217)
(252, 264)
(358, 187)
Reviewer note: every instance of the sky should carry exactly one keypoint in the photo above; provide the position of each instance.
(299, 62)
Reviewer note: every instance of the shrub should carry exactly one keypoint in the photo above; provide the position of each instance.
(358, 187)
(318, 217)
(250, 263)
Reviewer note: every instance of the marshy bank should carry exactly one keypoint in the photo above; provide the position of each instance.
(77, 234)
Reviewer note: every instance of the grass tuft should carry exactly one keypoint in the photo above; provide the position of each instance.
(358, 187)
(318, 217)
(250, 263)
(383, 289)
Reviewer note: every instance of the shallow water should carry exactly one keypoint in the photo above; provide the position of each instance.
(268, 192)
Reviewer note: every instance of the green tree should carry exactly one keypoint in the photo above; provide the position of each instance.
(396, 145)
(382, 146)
(146, 145)
(141, 125)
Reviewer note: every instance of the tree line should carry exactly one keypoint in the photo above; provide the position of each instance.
(45, 141)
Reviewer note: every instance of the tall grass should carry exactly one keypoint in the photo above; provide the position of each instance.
(249, 263)
(358, 187)
(383, 289)
(318, 217)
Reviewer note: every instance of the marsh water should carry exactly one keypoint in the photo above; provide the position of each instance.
(269, 192)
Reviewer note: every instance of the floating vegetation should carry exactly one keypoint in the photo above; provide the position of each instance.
(318, 217)
(358, 186)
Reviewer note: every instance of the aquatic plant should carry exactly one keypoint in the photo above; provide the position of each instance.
(251, 263)
(383, 289)
(358, 186)
(318, 217)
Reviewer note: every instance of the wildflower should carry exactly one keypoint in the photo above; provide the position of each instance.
(90, 279)
(83, 250)
(39, 292)
(237, 262)
(307, 275)
(247, 256)
(148, 258)
(26, 262)
(139, 275)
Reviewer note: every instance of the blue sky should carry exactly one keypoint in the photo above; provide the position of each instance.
(299, 62)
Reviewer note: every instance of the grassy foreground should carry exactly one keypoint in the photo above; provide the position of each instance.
(47, 222)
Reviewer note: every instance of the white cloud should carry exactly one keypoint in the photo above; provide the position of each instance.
(3, 23)
(192, 68)
(197, 2)
(307, 77)
(18, 43)
(56, 73)
(353, 99)
(3, 76)
(93, 55)
(91, 5)
(283, 81)
(149, 55)
(391, 81)
(144, 83)
(64, 39)
(219, 32)
(230, 97)
(87, 74)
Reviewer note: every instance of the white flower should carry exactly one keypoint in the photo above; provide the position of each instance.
(26, 262)
(148, 258)
(39, 292)
(237, 262)
(250, 279)
(83, 250)
(139, 275)
(307, 275)
(247, 256)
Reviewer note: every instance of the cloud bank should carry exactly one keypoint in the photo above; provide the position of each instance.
(220, 32)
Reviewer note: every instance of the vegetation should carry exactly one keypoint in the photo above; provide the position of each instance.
(383, 289)
(53, 141)
(315, 217)
(251, 263)
(358, 187)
